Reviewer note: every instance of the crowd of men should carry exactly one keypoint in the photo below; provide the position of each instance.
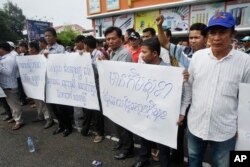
(214, 66)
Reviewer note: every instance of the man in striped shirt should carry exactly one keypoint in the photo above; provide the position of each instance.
(212, 91)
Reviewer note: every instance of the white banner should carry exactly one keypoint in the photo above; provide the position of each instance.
(70, 81)
(142, 98)
(2, 94)
(243, 139)
(32, 72)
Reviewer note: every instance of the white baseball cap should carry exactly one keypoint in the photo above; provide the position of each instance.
(11, 44)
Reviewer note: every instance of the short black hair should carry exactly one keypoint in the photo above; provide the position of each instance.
(90, 41)
(79, 38)
(42, 40)
(52, 30)
(5, 46)
(23, 44)
(130, 30)
(35, 45)
(151, 30)
(111, 29)
(168, 32)
(153, 44)
(199, 27)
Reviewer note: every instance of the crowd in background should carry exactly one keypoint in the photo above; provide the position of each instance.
(211, 49)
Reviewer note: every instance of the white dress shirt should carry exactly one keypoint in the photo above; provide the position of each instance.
(212, 91)
(8, 71)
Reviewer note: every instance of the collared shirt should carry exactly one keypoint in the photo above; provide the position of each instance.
(182, 53)
(55, 49)
(121, 54)
(212, 90)
(164, 55)
(8, 71)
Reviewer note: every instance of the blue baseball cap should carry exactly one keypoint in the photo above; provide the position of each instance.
(224, 19)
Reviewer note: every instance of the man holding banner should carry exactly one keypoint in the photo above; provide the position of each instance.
(63, 113)
(150, 55)
(113, 37)
(215, 75)
(90, 46)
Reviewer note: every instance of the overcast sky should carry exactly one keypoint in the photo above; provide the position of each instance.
(60, 12)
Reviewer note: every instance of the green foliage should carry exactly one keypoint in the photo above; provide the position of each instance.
(67, 36)
(12, 22)
(4, 27)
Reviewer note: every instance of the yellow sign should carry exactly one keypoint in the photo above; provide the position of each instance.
(145, 19)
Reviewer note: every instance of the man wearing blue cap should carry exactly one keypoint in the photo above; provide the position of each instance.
(212, 91)
(246, 44)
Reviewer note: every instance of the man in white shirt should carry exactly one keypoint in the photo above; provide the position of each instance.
(212, 91)
(8, 81)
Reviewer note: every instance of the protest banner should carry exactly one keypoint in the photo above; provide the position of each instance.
(32, 72)
(2, 94)
(243, 139)
(142, 98)
(70, 81)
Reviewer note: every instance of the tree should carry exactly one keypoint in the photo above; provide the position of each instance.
(16, 20)
(67, 36)
(4, 27)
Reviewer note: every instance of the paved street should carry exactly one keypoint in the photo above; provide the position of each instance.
(54, 151)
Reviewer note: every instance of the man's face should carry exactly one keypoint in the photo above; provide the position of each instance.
(32, 51)
(2, 52)
(22, 49)
(246, 44)
(196, 40)
(146, 35)
(220, 38)
(79, 45)
(113, 40)
(134, 42)
(50, 38)
(147, 55)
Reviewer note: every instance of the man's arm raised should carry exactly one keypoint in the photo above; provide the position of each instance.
(161, 35)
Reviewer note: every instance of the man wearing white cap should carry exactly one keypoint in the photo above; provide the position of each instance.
(212, 91)
(246, 44)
